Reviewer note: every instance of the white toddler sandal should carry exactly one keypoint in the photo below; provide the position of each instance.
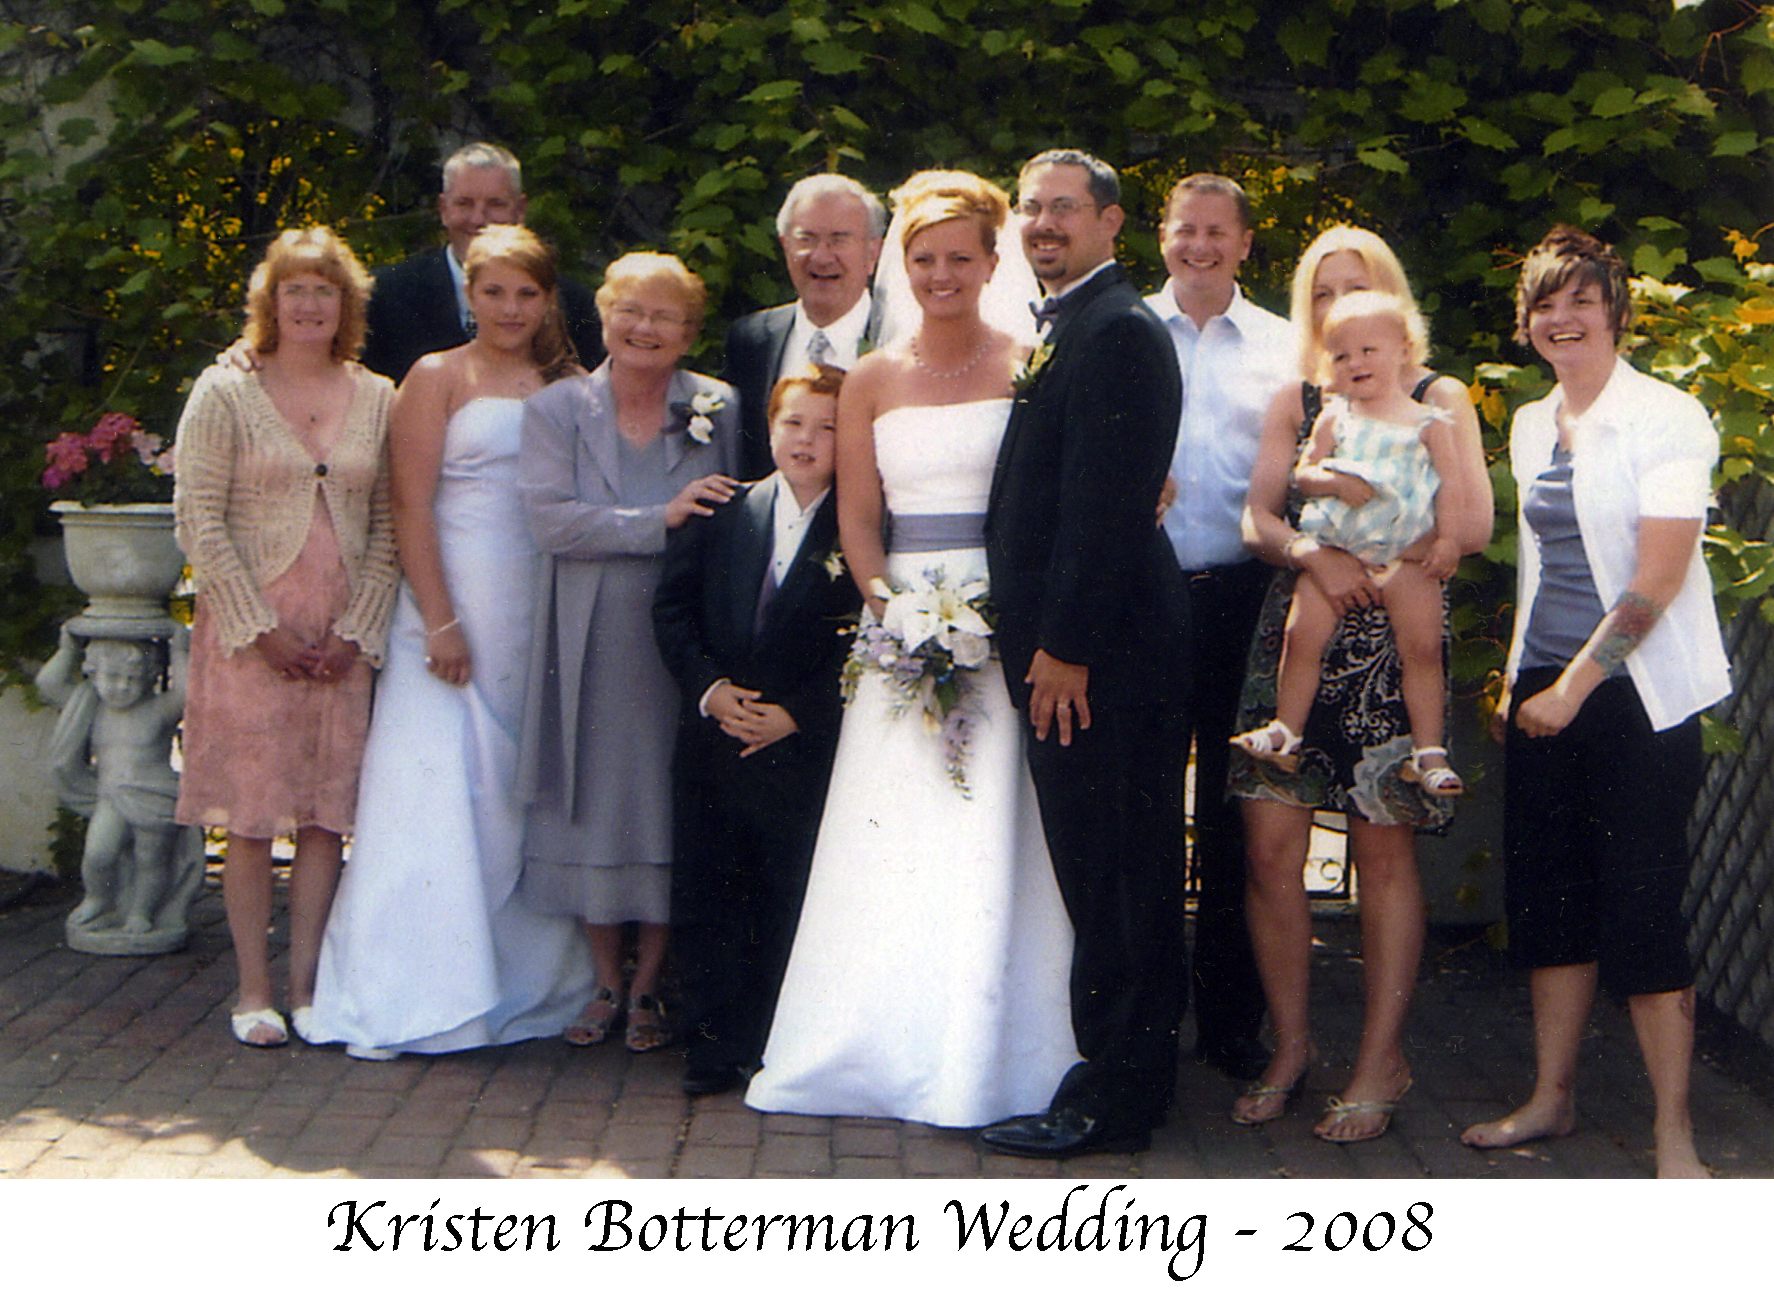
(1275, 744)
(1438, 782)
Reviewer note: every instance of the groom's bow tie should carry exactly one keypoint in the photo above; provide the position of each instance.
(1045, 312)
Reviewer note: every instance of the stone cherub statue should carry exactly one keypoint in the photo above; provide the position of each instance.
(121, 700)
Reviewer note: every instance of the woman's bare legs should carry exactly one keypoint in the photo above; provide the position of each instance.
(246, 896)
(605, 940)
(1276, 837)
(648, 959)
(593, 1024)
(314, 876)
(1664, 1022)
(1665, 1026)
(1562, 997)
(1385, 859)
(647, 1029)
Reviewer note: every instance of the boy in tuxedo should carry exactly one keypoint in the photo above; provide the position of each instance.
(749, 616)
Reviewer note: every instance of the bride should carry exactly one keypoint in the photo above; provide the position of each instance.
(428, 948)
(928, 980)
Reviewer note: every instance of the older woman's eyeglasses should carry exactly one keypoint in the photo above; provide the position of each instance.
(634, 314)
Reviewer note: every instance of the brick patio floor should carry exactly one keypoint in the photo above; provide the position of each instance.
(125, 1068)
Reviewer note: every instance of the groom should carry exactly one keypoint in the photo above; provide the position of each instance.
(1092, 619)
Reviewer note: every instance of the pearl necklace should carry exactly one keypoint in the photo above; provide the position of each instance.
(978, 353)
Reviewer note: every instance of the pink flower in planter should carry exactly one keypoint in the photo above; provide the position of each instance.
(99, 464)
(115, 430)
(67, 459)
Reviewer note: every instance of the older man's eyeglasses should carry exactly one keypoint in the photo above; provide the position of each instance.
(805, 242)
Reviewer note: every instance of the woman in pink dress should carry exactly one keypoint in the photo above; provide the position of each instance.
(283, 511)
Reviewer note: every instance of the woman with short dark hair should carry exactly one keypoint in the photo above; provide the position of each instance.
(1617, 651)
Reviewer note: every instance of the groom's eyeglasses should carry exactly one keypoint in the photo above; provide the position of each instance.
(1061, 208)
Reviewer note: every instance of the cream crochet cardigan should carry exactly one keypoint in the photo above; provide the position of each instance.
(244, 501)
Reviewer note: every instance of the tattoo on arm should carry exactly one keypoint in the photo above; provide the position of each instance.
(1633, 617)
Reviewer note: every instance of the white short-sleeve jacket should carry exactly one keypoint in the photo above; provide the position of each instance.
(1642, 449)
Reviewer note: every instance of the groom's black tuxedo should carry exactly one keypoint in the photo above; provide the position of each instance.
(745, 827)
(1080, 570)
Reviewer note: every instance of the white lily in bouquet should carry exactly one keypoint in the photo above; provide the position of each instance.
(932, 634)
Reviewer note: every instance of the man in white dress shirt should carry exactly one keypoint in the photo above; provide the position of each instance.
(1234, 357)
(830, 228)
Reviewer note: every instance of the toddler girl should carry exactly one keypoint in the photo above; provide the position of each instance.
(1372, 475)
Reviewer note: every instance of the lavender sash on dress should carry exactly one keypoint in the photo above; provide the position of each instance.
(952, 531)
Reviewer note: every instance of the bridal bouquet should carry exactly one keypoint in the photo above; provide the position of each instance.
(930, 636)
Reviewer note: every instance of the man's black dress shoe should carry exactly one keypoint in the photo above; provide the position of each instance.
(701, 1081)
(1060, 1133)
(1240, 1057)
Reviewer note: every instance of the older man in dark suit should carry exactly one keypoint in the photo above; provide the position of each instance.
(830, 228)
(1092, 629)
(420, 305)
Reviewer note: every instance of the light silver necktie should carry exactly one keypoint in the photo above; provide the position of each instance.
(819, 349)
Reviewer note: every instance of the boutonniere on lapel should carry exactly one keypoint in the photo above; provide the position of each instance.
(1030, 371)
(834, 565)
(698, 416)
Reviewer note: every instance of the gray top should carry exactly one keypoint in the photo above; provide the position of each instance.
(1566, 606)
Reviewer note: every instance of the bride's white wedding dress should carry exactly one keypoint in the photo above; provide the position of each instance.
(929, 975)
(428, 948)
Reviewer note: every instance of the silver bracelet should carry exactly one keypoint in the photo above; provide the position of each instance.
(445, 628)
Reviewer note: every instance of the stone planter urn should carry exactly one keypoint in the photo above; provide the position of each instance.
(124, 557)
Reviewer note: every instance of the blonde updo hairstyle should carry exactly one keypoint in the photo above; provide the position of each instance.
(1360, 305)
(1383, 268)
(933, 197)
(638, 268)
(512, 244)
(316, 250)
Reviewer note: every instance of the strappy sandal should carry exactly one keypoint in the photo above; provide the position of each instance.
(1439, 782)
(1339, 1112)
(1276, 1098)
(1279, 1097)
(646, 1025)
(595, 1020)
(244, 1024)
(1275, 744)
